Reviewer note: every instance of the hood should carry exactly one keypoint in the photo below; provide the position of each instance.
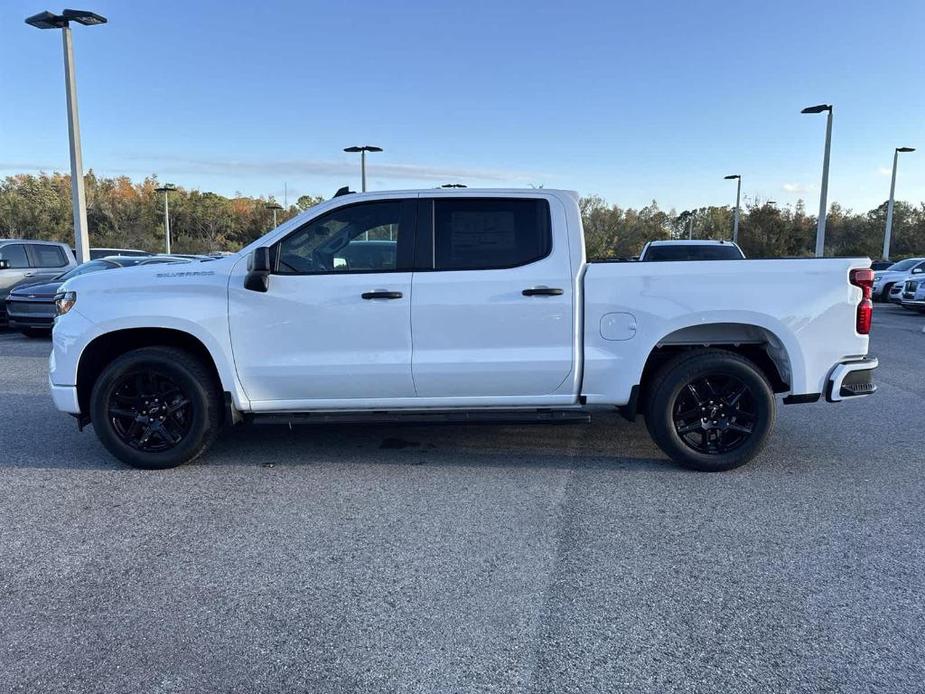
(43, 290)
(152, 276)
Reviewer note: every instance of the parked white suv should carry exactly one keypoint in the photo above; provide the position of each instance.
(895, 275)
(475, 305)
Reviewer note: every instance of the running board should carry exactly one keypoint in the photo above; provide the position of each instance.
(517, 416)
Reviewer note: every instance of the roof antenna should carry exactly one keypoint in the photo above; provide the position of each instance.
(343, 191)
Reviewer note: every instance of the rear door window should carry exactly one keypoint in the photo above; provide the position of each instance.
(489, 233)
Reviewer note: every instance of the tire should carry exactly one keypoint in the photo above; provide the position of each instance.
(704, 427)
(36, 332)
(156, 408)
(885, 294)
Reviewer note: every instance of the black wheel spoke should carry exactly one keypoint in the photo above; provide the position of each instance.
(121, 412)
(177, 405)
(688, 428)
(735, 393)
(693, 391)
(690, 413)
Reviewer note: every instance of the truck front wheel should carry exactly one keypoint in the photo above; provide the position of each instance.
(156, 407)
(710, 410)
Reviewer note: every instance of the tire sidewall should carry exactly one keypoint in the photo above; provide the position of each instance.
(197, 393)
(670, 441)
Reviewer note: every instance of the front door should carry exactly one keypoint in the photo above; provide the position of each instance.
(493, 314)
(16, 270)
(334, 327)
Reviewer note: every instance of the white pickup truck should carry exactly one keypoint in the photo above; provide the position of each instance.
(455, 305)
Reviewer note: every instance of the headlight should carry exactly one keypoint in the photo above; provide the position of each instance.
(65, 302)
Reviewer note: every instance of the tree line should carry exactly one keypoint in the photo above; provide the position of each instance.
(122, 213)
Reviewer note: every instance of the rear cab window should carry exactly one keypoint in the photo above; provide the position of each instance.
(692, 252)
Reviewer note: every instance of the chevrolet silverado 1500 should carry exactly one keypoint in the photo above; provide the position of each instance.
(455, 305)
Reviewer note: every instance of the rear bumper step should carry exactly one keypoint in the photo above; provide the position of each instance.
(853, 379)
(542, 416)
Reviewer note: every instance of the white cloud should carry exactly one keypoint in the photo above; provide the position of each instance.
(797, 188)
(309, 167)
(884, 171)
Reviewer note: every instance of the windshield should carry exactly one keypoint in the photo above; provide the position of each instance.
(693, 252)
(904, 264)
(91, 266)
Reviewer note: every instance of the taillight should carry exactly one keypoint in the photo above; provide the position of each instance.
(863, 278)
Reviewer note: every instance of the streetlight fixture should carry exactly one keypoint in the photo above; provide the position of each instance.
(274, 206)
(166, 189)
(888, 232)
(363, 149)
(823, 194)
(735, 223)
(49, 20)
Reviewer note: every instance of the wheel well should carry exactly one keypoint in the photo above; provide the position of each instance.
(99, 353)
(756, 344)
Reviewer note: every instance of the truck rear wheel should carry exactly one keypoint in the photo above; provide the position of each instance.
(710, 410)
(156, 408)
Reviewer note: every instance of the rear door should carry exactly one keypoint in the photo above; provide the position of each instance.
(492, 301)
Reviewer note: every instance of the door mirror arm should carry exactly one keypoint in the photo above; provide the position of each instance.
(4, 264)
(258, 274)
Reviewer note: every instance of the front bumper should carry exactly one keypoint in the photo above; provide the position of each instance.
(65, 398)
(852, 379)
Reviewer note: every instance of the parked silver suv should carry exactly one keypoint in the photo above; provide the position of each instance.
(24, 261)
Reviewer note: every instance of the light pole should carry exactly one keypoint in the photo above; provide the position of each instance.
(735, 223)
(690, 227)
(823, 194)
(888, 232)
(363, 149)
(49, 20)
(166, 189)
(274, 206)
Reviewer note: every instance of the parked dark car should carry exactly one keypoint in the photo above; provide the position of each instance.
(97, 253)
(31, 307)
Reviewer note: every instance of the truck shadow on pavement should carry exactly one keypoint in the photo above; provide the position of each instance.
(609, 442)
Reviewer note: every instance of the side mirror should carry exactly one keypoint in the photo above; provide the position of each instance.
(915, 270)
(4, 264)
(258, 277)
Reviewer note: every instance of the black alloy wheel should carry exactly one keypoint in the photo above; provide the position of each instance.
(709, 409)
(714, 414)
(156, 407)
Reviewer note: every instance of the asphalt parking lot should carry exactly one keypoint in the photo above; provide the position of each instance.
(482, 558)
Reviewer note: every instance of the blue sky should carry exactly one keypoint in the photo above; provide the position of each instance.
(633, 101)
